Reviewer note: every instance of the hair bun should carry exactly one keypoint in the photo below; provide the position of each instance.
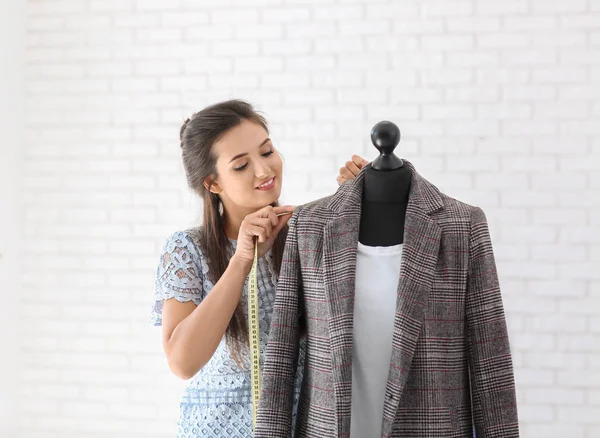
(182, 130)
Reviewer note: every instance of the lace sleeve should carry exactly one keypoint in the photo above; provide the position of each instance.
(178, 275)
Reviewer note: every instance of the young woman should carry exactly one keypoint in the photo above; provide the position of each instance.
(200, 295)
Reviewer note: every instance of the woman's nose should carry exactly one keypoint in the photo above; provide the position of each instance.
(262, 170)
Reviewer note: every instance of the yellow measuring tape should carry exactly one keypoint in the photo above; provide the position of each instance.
(253, 330)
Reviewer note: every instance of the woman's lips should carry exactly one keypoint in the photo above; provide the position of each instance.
(269, 185)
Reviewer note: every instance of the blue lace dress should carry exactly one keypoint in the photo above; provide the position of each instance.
(217, 400)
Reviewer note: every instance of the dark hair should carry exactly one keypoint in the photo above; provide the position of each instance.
(198, 134)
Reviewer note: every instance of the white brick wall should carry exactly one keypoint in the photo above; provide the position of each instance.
(12, 37)
(497, 103)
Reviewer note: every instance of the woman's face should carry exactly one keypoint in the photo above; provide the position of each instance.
(248, 168)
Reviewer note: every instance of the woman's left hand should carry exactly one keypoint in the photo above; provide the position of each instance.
(351, 169)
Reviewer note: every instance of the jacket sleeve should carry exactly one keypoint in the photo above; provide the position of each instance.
(490, 363)
(274, 417)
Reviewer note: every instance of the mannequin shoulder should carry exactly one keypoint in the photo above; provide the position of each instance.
(313, 211)
(455, 210)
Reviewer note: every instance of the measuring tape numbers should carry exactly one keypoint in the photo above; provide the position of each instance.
(253, 330)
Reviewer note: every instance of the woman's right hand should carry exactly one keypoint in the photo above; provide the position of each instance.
(263, 224)
(351, 169)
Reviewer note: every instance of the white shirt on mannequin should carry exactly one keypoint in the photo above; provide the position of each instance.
(376, 286)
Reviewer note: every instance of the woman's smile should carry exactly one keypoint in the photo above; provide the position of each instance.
(267, 185)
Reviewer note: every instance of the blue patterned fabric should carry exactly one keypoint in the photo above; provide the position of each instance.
(217, 400)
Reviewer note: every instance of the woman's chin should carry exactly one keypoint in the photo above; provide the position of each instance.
(268, 197)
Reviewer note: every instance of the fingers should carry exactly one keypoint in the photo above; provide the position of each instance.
(259, 232)
(259, 224)
(267, 212)
(284, 209)
(346, 173)
(352, 167)
(359, 161)
(265, 223)
(261, 228)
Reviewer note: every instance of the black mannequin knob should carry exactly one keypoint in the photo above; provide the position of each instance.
(385, 136)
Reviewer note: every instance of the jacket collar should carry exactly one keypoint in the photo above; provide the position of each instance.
(349, 195)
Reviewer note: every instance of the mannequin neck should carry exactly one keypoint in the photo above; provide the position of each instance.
(387, 186)
(384, 203)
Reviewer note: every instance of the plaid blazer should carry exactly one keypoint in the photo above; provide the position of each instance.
(451, 367)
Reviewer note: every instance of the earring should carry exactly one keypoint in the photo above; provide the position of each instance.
(220, 205)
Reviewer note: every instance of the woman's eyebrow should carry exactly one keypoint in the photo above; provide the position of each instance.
(246, 153)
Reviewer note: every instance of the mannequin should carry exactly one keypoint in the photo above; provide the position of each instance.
(386, 189)
(381, 236)
(449, 365)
